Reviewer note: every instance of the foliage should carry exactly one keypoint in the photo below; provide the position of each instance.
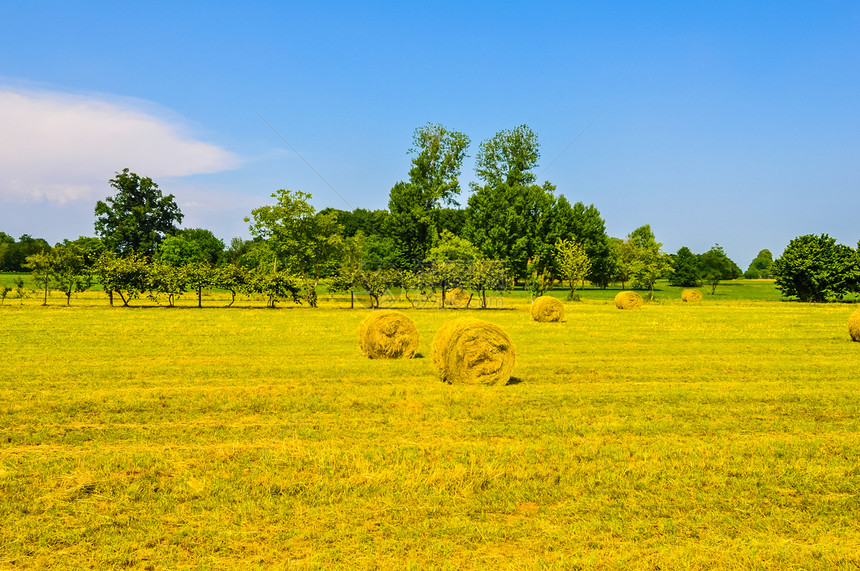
(306, 243)
(168, 279)
(138, 217)
(72, 274)
(43, 270)
(716, 266)
(127, 276)
(816, 268)
(277, 286)
(433, 181)
(686, 270)
(450, 247)
(508, 158)
(13, 255)
(572, 262)
(648, 263)
(488, 275)
(761, 266)
(191, 246)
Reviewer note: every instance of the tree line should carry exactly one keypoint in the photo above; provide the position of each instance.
(512, 230)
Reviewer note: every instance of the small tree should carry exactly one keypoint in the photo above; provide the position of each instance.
(42, 266)
(128, 276)
(716, 266)
(71, 273)
(490, 275)
(168, 279)
(572, 261)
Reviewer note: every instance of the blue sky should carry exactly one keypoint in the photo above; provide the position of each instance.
(735, 123)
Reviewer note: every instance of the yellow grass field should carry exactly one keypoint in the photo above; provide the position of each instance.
(716, 435)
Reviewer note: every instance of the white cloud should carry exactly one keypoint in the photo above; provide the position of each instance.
(62, 147)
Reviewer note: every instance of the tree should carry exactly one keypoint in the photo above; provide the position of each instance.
(686, 269)
(138, 217)
(716, 266)
(306, 243)
(572, 262)
(488, 275)
(43, 270)
(509, 157)
(71, 272)
(128, 276)
(433, 181)
(761, 266)
(649, 263)
(507, 223)
(816, 268)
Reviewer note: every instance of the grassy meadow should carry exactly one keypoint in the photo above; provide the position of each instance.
(717, 435)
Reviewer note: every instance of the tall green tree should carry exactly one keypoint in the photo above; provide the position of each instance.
(138, 217)
(305, 243)
(413, 206)
(508, 216)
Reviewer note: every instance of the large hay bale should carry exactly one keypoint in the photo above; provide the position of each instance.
(854, 325)
(691, 295)
(547, 308)
(388, 335)
(628, 300)
(474, 352)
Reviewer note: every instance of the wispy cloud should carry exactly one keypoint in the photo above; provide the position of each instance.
(63, 147)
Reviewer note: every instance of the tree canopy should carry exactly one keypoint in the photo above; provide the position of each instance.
(138, 217)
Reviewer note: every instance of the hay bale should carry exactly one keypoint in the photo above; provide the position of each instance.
(854, 325)
(388, 335)
(457, 297)
(474, 352)
(691, 295)
(628, 300)
(547, 308)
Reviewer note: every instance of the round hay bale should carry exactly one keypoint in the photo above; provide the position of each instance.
(628, 300)
(854, 325)
(547, 308)
(456, 297)
(474, 352)
(388, 335)
(691, 295)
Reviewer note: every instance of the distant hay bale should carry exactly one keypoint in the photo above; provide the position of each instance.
(547, 308)
(474, 352)
(388, 335)
(457, 297)
(628, 300)
(854, 325)
(691, 295)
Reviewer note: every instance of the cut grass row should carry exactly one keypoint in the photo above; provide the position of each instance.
(715, 435)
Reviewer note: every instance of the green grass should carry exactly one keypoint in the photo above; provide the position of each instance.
(722, 435)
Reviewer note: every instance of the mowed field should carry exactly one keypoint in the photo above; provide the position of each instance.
(717, 435)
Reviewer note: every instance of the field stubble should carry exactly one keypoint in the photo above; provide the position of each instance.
(715, 435)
